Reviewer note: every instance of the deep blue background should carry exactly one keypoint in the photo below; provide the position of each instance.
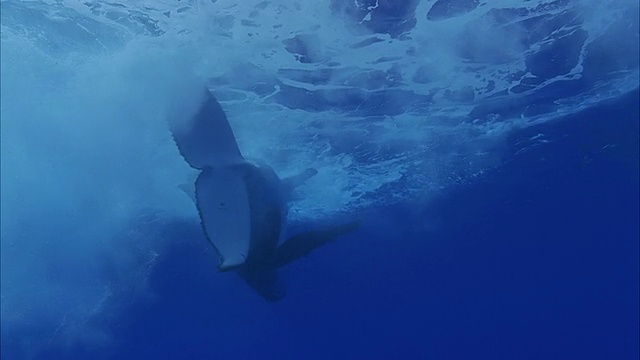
(539, 260)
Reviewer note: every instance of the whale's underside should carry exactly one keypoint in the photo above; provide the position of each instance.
(242, 205)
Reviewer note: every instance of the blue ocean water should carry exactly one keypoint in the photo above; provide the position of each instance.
(500, 210)
(541, 261)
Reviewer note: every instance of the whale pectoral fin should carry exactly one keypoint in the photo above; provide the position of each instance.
(206, 139)
(189, 188)
(292, 182)
(304, 243)
(223, 204)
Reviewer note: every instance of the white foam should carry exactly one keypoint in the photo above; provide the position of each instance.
(86, 150)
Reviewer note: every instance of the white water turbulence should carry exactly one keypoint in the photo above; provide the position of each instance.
(390, 103)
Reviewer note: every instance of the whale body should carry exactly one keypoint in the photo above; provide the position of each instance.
(243, 205)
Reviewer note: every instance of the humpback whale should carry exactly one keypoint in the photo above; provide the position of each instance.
(243, 204)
